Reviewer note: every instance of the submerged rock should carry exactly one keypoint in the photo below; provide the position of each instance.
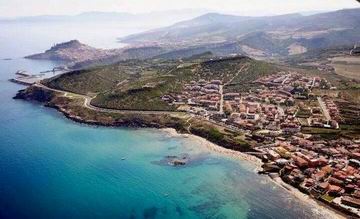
(177, 162)
(173, 160)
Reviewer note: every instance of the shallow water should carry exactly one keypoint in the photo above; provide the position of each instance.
(51, 167)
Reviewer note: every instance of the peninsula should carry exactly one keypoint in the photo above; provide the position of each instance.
(289, 117)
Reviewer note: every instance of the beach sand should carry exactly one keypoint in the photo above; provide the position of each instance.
(321, 209)
(216, 148)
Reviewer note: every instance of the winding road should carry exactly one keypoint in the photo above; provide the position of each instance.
(87, 104)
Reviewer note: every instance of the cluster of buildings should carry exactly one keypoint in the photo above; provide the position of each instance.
(289, 81)
(329, 170)
(332, 108)
(270, 115)
(202, 96)
(318, 113)
(272, 106)
(252, 115)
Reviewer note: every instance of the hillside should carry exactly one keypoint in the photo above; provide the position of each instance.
(79, 55)
(267, 38)
(260, 36)
(141, 84)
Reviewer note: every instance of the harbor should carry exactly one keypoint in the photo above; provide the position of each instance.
(26, 78)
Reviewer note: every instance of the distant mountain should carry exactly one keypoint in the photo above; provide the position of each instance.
(259, 36)
(212, 26)
(275, 37)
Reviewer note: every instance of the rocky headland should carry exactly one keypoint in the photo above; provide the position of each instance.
(73, 51)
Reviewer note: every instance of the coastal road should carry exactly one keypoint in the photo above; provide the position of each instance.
(87, 104)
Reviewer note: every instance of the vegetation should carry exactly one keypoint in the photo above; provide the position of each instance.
(254, 70)
(139, 85)
(88, 81)
(347, 131)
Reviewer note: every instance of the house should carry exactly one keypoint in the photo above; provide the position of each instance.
(273, 155)
(322, 187)
(335, 181)
(335, 190)
(355, 156)
(300, 162)
(231, 96)
(217, 82)
(318, 162)
(283, 152)
(251, 116)
(350, 201)
(355, 163)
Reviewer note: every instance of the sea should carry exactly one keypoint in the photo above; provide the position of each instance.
(52, 167)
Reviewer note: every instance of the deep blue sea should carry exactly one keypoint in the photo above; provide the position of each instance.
(51, 167)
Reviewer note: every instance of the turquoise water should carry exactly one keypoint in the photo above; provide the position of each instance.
(51, 167)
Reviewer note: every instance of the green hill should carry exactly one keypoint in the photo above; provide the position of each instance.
(141, 84)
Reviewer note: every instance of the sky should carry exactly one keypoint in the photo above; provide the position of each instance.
(16, 8)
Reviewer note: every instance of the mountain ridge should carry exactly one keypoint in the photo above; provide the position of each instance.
(282, 31)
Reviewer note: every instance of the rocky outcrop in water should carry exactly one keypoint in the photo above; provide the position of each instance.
(177, 161)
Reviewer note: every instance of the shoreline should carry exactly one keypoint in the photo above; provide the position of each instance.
(322, 209)
(216, 148)
(172, 132)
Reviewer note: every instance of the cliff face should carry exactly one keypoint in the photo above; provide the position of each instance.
(73, 51)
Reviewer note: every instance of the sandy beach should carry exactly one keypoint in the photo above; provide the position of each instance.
(216, 148)
(319, 208)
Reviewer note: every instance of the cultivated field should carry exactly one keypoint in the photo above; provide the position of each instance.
(347, 66)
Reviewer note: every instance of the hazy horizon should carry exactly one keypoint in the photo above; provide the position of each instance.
(16, 8)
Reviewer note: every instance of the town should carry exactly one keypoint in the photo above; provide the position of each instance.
(273, 115)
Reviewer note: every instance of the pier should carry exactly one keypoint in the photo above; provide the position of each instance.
(26, 78)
